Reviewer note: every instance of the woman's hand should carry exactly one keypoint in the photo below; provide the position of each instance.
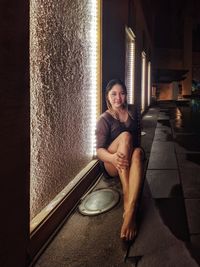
(119, 161)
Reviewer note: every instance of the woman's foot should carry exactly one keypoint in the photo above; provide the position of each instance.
(129, 229)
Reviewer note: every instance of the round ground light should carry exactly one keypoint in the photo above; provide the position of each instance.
(99, 201)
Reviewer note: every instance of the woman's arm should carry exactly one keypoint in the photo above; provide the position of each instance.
(117, 159)
(102, 136)
(104, 155)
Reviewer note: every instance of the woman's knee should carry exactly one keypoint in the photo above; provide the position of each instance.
(138, 154)
(126, 137)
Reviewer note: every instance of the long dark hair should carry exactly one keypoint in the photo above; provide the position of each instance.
(108, 88)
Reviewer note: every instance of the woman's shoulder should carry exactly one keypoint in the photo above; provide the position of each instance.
(106, 116)
(104, 120)
(103, 123)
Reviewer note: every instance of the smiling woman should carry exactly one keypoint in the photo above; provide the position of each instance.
(117, 133)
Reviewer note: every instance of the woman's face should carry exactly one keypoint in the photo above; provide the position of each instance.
(117, 97)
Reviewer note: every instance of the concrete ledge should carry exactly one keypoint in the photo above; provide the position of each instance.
(46, 224)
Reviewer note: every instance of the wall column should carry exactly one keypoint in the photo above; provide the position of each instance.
(187, 55)
(15, 133)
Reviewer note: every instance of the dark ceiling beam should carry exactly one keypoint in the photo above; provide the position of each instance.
(168, 75)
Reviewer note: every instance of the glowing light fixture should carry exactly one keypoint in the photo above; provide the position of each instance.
(149, 83)
(143, 80)
(94, 35)
(148, 116)
(130, 64)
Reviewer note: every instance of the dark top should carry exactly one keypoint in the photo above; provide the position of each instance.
(108, 128)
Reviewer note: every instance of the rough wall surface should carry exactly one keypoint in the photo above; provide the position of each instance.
(60, 100)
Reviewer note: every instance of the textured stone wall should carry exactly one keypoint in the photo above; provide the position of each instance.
(60, 100)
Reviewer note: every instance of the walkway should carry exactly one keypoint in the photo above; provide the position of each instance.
(169, 233)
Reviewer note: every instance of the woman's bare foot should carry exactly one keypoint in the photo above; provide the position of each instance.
(128, 230)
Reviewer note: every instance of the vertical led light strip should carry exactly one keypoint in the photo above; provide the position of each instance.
(95, 9)
(149, 83)
(130, 64)
(143, 80)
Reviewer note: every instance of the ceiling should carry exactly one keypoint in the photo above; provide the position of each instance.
(169, 22)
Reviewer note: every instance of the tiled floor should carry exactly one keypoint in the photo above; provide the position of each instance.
(169, 229)
(187, 148)
(164, 184)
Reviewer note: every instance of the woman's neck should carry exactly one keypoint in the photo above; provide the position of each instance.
(119, 110)
(120, 114)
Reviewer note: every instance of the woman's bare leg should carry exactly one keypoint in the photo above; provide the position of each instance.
(125, 147)
(130, 179)
(122, 144)
(128, 230)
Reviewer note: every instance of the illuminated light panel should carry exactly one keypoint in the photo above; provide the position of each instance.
(149, 83)
(143, 80)
(94, 69)
(130, 64)
(148, 116)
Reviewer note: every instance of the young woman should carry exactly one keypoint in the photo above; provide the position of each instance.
(116, 135)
